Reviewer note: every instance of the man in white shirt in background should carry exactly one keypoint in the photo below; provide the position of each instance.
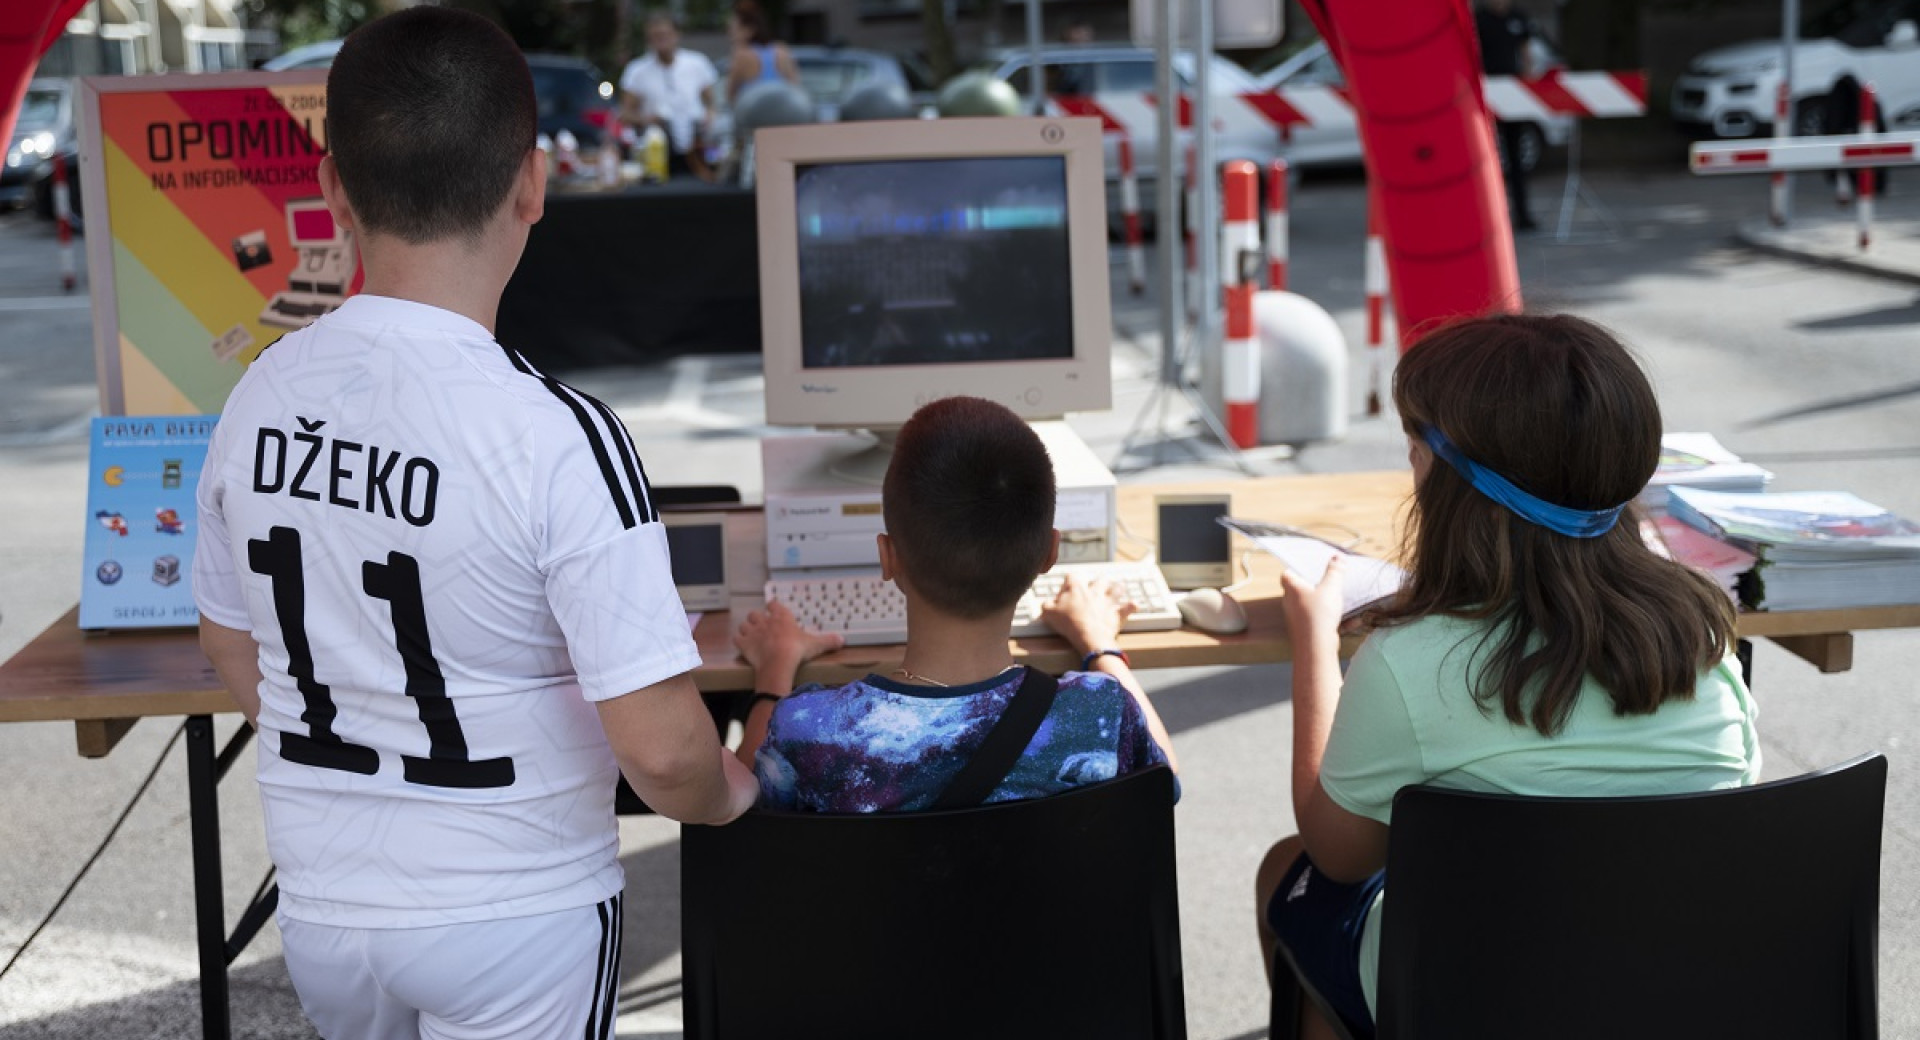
(669, 87)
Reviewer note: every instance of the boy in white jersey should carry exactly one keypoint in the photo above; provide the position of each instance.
(436, 582)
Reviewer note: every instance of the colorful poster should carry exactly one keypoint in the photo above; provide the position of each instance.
(213, 240)
(142, 472)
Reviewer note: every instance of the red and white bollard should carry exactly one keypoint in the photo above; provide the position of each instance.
(1376, 288)
(1187, 229)
(1277, 225)
(1863, 208)
(1130, 216)
(1777, 205)
(63, 215)
(1239, 257)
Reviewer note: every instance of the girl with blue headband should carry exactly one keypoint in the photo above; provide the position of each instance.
(1538, 648)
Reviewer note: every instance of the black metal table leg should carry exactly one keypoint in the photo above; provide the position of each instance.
(209, 904)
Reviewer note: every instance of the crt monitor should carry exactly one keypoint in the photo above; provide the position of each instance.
(910, 260)
(309, 224)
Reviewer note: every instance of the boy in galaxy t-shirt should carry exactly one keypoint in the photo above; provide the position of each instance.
(969, 502)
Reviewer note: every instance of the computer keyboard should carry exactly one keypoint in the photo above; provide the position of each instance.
(867, 610)
(290, 310)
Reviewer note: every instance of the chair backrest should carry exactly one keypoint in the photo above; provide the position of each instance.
(1050, 918)
(692, 496)
(1742, 912)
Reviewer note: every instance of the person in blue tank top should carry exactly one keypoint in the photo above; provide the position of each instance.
(756, 57)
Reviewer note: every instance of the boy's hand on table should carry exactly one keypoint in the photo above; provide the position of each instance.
(776, 644)
(1088, 615)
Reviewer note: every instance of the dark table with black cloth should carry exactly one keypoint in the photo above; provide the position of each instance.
(635, 276)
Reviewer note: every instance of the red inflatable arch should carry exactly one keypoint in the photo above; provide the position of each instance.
(1413, 69)
(27, 29)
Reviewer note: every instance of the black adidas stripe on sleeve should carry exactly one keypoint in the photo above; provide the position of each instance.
(595, 440)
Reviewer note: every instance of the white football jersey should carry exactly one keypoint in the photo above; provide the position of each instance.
(444, 556)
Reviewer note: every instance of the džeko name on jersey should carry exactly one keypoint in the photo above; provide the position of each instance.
(343, 473)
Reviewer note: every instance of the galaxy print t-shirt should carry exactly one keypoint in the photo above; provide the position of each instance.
(880, 746)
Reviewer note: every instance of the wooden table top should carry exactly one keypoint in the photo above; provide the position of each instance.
(67, 674)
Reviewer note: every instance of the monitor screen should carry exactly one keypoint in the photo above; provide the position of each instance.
(698, 552)
(309, 223)
(933, 261)
(1190, 532)
(902, 261)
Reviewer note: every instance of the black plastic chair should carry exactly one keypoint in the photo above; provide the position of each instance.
(1055, 917)
(1750, 912)
(694, 496)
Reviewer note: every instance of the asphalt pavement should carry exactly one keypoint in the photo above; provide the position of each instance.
(1804, 367)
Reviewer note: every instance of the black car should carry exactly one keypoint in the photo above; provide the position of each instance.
(572, 96)
(45, 129)
(570, 92)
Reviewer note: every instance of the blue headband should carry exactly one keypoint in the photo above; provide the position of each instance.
(1575, 523)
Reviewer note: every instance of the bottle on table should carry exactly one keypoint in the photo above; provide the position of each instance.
(653, 150)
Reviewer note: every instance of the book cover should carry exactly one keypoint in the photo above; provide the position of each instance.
(1700, 460)
(1797, 522)
(141, 521)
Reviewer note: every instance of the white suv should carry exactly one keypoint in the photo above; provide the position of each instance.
(1730, 91)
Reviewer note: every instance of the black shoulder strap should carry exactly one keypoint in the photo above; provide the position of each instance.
(1001, 750)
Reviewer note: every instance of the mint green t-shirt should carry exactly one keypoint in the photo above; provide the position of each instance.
(1407, 716)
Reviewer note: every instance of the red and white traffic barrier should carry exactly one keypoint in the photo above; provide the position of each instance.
(63, 215)
(1839, 152)
(1585, 95)
(1277, 224)
(1376, 289)
(1863, 207)
(1130, 217)
(1777, 205)
(1239, 257)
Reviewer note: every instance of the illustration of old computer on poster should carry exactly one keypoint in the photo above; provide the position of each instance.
(901, 262)
(324, 265)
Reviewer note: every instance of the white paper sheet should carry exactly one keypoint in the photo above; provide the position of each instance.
(1368, 579)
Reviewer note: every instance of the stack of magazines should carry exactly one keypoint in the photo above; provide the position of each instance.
(1724, 562)
(1699, 460)
(1818, 550)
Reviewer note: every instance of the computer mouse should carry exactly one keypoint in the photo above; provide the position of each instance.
(1211, 610)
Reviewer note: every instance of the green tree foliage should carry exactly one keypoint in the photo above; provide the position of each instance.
(310, 21)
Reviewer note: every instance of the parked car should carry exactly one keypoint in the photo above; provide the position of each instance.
(45, 128)
(570, 92)
(1731, 91)
(829, 75)
(311, 56)
(572, 95)
(1129, 71)
(1313, 66)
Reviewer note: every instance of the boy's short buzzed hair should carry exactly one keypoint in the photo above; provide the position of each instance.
(969, 505)
(430, 115)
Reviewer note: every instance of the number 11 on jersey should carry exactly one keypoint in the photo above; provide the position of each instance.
(277, 557)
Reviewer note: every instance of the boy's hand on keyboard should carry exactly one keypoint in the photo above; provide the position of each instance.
(775, 643)
(1086, 614)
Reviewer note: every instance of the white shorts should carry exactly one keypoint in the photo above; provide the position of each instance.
(553, 975)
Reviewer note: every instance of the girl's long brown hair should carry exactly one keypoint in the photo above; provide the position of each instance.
(1557, 406)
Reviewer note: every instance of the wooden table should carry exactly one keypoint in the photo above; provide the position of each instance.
(104, 683)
